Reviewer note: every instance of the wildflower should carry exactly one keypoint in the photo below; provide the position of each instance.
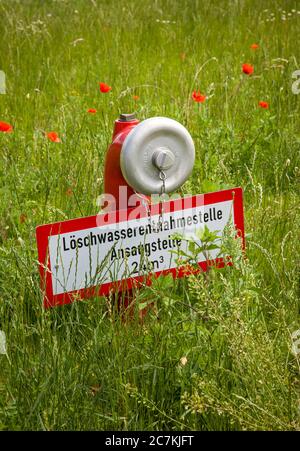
(21, 241)
(264, 105)
(69, 192)
(5, 127)
(254, 46)
(92, 111)
(104, 87)
(248, 69)
(53, 136)
(183, 361)
(198, 97)
(135, 97)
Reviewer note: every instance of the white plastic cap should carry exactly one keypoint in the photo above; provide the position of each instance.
(154, 145)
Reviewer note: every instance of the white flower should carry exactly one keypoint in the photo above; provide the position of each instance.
(21, 241)
(183, 361)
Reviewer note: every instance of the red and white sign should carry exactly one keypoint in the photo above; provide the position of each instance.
(87, 257)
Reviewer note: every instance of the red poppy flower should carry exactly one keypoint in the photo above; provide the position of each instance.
(254, 46)
(248, 69)
(69, 192)
(92, 110)
(5, 127)
(135, 97)
(198, 97)
(264, 105)
(104, 87)
(53, 136)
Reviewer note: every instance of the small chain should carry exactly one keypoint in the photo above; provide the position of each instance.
(162, 176)
(145, 204)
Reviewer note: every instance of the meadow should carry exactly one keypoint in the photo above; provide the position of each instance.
(216, 352)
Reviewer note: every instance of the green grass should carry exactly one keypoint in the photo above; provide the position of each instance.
(80, 366)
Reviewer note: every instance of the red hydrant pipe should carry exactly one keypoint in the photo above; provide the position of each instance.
(113, 177)
(114, 180)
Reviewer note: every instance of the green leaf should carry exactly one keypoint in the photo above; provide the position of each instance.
(206, 236)
(192, 247)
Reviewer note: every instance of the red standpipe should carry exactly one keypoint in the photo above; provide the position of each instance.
(113, 177)
(113, 180)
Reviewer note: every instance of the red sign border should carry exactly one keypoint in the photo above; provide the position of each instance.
(44, 231)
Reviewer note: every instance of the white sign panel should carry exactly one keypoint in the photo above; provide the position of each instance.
(79, 255)
(101, 255)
